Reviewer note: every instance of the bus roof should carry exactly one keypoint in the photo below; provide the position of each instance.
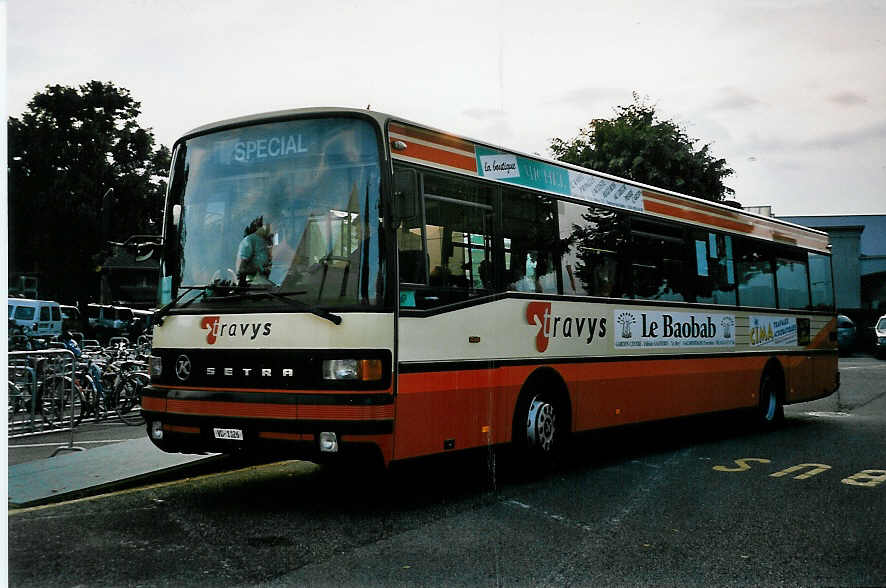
(700, 207)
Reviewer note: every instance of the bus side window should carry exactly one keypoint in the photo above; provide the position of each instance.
(458, 232)
(407, 218)
(714, 271)
(792, 278)
(659, 254)
(596, 246)
(532, 244)
(754, 273)
(820, 281)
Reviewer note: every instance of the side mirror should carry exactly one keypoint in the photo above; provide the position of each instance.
(144, 252)
(405, 195)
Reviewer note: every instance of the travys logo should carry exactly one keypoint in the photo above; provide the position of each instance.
(553, 325)
(216, 329)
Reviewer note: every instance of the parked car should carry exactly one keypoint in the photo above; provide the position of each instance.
(845, 333)
(880, 337)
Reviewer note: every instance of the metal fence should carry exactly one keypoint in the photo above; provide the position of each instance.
(41, 391)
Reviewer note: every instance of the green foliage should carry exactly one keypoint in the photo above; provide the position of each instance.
(65, 151)
(637, 145)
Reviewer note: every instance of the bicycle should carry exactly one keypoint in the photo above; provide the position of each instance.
(126, 391)
(20, 386)
(62, 398)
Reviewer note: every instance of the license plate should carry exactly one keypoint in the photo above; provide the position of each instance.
(231, 434)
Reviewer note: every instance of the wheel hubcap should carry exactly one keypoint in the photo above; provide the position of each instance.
(541, 425)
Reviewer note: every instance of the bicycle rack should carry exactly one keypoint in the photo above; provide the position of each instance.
(31, 359)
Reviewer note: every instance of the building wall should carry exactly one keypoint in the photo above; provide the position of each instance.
(859, 257)
(873, 239)
(846, 258)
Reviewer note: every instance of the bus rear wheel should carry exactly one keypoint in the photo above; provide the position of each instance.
(770, 410)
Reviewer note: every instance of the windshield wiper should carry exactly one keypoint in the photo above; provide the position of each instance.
(166, 308)
(284, 296)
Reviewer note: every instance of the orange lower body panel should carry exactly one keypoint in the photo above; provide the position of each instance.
(439, 411)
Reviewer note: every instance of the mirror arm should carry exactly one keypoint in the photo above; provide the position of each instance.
(139, 240)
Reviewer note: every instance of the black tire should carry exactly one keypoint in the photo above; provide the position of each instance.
(88, 397)
(15, 400)
(54, 402)
(127, 402)
(770, 410)
(50, 396)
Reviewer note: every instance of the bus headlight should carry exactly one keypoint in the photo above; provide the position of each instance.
(156, 366)
(365, 370)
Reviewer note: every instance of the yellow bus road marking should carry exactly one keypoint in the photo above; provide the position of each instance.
(742, 464)
(866, 478)
(814, 468)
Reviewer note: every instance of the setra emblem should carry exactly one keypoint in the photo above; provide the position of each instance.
(183, 367)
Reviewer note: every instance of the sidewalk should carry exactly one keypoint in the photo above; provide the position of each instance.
(101, 469)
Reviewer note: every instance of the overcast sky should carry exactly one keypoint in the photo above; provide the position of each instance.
(791, 93)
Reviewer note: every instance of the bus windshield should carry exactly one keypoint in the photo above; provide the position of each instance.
(288, 207)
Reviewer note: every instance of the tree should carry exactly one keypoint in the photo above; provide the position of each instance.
(637, 145)
(65, 151)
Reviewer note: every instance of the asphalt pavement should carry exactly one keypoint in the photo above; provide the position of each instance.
(701, 502)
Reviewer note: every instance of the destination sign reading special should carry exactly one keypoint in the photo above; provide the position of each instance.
(656, 328)
(261, 148)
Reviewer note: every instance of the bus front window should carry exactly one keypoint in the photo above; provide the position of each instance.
(292, 207)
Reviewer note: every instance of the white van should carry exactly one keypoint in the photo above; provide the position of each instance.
(38, 318)
(112, 318)
(122, 318)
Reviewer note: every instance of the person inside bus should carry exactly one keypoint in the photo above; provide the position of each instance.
(290, 252)
(666, 292)
(254, 254)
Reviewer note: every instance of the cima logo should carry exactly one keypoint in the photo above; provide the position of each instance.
(552, 325)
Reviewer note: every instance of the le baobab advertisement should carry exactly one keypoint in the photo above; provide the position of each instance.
(656, 328)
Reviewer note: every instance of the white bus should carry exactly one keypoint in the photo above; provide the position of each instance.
(338, 279)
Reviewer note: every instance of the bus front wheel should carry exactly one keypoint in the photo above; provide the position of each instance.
(541, 426)
(538, 431)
